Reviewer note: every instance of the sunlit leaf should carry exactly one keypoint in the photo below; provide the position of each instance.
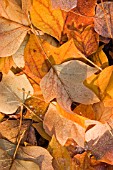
(5, 64)
(46, 19)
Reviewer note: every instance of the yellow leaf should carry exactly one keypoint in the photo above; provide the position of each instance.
(61, 157)
(100, 58)
(46, 19)
(5, 64)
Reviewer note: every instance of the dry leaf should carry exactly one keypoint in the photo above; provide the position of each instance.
(33, 154)
(46, 19)
(11, 36)
(9, 129)
(61, 157)
(5, 64)
(100, 58)
(86, 41)
(67, 85)
(11, 10)
(103, 21)
(65, 5)
(18, 57)
(11, 93)
(100, 140)
(63, 128)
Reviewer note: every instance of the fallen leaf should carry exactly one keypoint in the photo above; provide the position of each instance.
(37, 63)
(61, 157)
(102, 113)
(6, 63)
(100, 58)
(66, 84)
(81, 16)
(18, 57)
(85, 110)
(103, 19)
(65, 5)
(24, 165)
(26, 6)
(11, 36)
(11, 10)
(9, 130)
(62, 127)
(33, 154)
(11, 93)
(100, 141)
(86, 41)
(46, 19)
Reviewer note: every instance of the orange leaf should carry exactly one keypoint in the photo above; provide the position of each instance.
(86, 41)
(46, 19)
(5, 64)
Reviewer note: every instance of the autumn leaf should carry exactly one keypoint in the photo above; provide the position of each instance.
(100, 58)
(6, 63)
(61, 157)
(103, 19)
(11, 10)
(9, 130)
(98, 138)
(33, 154)
(65, 5)
(46, 19)
(86, 41)
(12, 35)
(62, 127)
(11, 93)
(67, 85)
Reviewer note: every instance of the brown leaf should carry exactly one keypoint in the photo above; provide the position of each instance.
(11, 36)
(62, 127)
(103, 21)
(65, 5)
(11, 93)
(11, 10)
(9, 129)
(67, 85)
(100, 141)
(33, 154)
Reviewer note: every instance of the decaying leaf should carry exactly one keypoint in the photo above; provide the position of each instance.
(103, 21)
(11, 92)
(100, 140)
(34, 156)
(65, 5)
(46, 19)
(12, 35)
(9, 129)
(65, 83)
(62, 127)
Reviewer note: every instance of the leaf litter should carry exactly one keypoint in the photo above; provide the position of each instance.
(56, 84)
